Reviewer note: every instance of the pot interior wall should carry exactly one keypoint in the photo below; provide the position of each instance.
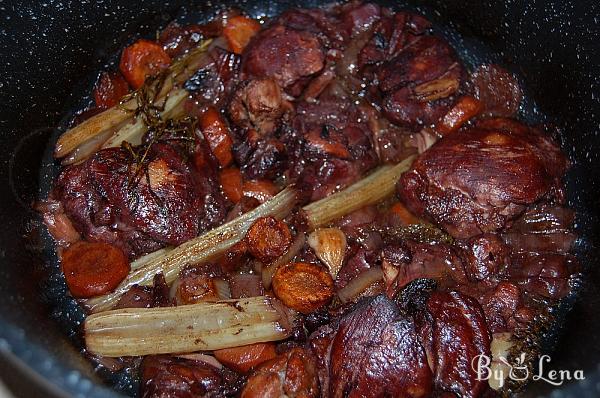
(51, 50)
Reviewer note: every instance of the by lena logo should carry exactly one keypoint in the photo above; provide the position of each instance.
(498, 370)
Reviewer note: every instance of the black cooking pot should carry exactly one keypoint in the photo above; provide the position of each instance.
(49, 52)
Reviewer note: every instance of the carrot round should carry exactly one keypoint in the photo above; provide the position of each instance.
(238, 32)
(261, 190)
(405, 216)
(216, 132)
(231, 182)
(142, 59)
(243, 359)
(93, 269)
(303, 287)
(268, 239)
(109, 90)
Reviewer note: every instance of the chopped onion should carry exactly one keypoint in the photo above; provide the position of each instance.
(223, 289)
(293, 250)
(359, 284)
(246, 285)
(208, 359)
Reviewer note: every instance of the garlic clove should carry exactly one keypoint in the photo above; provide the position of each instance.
(499, 368)
(329, 245)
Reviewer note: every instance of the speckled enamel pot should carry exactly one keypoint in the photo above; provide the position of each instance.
(51, 50)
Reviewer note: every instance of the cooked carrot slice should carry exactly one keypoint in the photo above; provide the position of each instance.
(92, 269)
(303, 287)
(465, 108)
(109, 90)
(268, 239)
(238, 32)
(261, 190)
(142, 59)
(231, 182)
(243, 359)
(404, 214)
(216, 132)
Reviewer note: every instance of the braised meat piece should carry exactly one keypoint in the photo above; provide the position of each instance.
(175, 377)
(546, 274)
(167, 203)
(214, 83)
(392, 33)
(485, 256)
(372, 352)
(258, 104)
(284, 54)
(330, 147)
(357, 18)
(418, 85)
(423, 346)
(177, 40)
(291, 374)
(497, 89)
(454, 332)
(481, 179)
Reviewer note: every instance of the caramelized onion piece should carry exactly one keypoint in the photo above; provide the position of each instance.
(359, 284)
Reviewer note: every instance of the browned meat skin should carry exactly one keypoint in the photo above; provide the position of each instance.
(170, 202)
(136, 297)
(485, 256)
(392, 143)
(214, 84)
(284, 54)
(156, 295)
(372, 352)
(392, 33)
(545, 274)
(418, 84)
(504, 307)
(291, 374)
(482, 178)
(258, 104)
(497, 89)
(174, 377)
(177, 40)
(357, 18)
(541, 240)
(260, 157)
(454, 332)
(330, 147)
